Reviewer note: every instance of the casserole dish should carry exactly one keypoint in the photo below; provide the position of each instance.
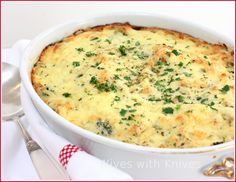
(140, 162)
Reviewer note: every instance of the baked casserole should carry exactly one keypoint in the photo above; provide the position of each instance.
(141, 85)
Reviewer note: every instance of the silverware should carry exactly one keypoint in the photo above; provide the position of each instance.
(224, 169)
(46, 167)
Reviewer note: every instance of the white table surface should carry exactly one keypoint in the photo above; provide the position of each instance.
(27, 19)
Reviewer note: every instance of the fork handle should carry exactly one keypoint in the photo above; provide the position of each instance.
(46, 167)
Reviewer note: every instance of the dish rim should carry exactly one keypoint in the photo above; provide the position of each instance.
(88, 134)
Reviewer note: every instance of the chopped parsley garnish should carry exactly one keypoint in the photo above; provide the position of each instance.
(123, 112)
(153, 99)
(180, 64)
(103, 87)
(95, 65)
(169, 69)
(93, 80)
(80, 75)
(76, 63)
(204, 101)
(122, 50)
(66, 94)
(142, 55)
(163, 74)
(175, 52)
(108, 41)
(177, 107)
(180, 98)
(168, 110)
(137, 43)
(116, 77)
(113, 88)
(90, 54)
(187, 74)
(80, 49)
(111, 53)
(117, 98)
(225, 89)
(205, 57)
(137, 104)
(95, 38)
(127, 78)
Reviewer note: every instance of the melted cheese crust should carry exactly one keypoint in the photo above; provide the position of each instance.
(146, 86)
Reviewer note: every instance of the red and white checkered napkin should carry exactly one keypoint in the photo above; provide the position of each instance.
(79, 164)
(67, 152)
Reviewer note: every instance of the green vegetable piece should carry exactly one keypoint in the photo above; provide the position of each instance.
(104, 127)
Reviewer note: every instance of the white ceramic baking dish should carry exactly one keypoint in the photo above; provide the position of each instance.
(140, 162)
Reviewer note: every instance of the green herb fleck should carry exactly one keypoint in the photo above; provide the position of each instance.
(142, 55)
(137, 43)
(225, 89)
(187, 74)
(108, 41)
(93, 80)
(177, 107)
(175, 52)
(80, 49)
(111, 53)
(137, 104)
(90, 54)
(123, 112)
(66, 94)
(169, 69)
(180, 98)
(117, 98)
(180, 64)
(163, 74)
(80, 75)
(116, 77)
(95, 38)
(95, 65)
(127, 78)
(168, 110)
(76, 63)
(122, 50)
